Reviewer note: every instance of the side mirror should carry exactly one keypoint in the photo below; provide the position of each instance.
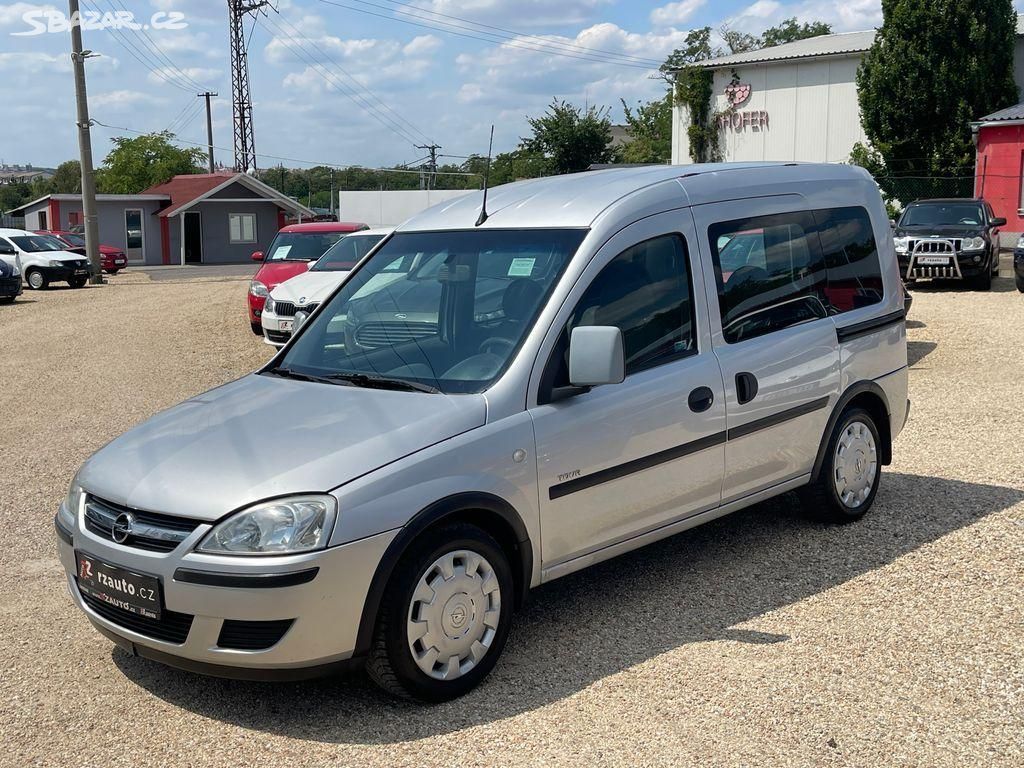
(6, 250)
(257, 256)
(596, 356)
(892, 223)
(998, 222)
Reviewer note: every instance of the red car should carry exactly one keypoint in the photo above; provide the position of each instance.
(290, 254)
(113, 259)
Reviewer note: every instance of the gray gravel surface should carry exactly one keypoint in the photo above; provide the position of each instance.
(762, 638)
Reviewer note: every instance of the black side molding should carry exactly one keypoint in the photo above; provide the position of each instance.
(636, 465)
(866, 327)
(777, 418)
(245, 580)
(62, 532)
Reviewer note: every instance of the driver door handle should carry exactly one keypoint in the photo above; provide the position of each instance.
(701, 399)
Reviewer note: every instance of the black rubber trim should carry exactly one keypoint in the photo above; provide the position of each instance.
(777, 418)
(272, 675)
(245, 580)
(436, 513)
(636, 465)
(65, 535)
(866, 327)
(857, 388)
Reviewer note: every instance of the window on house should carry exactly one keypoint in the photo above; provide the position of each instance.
(242, 227)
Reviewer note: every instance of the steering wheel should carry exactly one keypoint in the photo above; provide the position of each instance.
(496, 341)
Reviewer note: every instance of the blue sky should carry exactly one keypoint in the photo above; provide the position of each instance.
(414, 83)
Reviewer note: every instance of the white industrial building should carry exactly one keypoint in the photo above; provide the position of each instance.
(796, 101)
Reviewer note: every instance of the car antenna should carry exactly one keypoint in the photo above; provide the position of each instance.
(487, 176)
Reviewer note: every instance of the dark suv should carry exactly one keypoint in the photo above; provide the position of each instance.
(952, 239)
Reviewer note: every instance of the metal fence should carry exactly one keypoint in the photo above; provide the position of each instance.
(906, 189)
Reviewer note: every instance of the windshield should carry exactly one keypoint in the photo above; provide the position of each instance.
(443, 309)
(301, 246)
(37, 243)
(346, 253)
(76, 240)
(943, 213)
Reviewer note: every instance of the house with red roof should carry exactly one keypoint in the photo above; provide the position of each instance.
(203, 218)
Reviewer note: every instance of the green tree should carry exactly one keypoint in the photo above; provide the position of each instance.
(935, 66)
(650, 132)
(789, 30)
(142, 162)
(570, 138)
(67, 180)
(14, 195)
(692, 88)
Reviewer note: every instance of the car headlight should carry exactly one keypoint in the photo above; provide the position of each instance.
(256, 288)
(973, 244)
(270, 304)
(72, 504)
(283, 526)
(901, 244)
(55, 263)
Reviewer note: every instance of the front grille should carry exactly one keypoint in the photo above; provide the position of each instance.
(152, 531)
(381, 334)
(955, 242)
(171, 627)
(252, 635)
(75, 264)
(287, 309)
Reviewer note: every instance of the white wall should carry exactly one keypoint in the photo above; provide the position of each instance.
(390, 208)
(811, 106)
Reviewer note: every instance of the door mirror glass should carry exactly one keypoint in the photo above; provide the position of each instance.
(892, 223)
(596, 356)
(7, 250)
(257, 256)
(998, 222)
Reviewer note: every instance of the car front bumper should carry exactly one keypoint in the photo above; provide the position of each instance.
(10, 286)
(277, 330)
(324, 610)
(965, 261)
(64, 274)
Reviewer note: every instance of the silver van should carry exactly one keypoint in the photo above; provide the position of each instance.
(496, 399)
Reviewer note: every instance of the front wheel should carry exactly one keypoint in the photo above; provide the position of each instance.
(848, 481)
(982, 282)
(78, 282)
(445, 616)
(1019, 281)
(257, 328)
(36, 280)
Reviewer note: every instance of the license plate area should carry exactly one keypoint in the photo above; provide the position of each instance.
(137, 593)
(286, 325)
(933, 261)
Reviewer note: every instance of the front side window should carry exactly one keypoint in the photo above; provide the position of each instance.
(346, 253)
(242, 227)
(646, 292)
(444, 311)
(780, 282)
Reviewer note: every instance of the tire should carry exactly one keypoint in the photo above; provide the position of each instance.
(36, 280)
(78, 282)
(7, 299)
(257, 328)
(828, 497)
(1019, 281)
(112, 271)
(465, 601)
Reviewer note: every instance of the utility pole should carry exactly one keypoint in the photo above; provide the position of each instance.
(432, 149)
(333, 216)
(245, 140)
(209, 124)
(92, 232)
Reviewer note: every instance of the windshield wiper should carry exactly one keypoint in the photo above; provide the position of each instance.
(382, 382)
(288, 373)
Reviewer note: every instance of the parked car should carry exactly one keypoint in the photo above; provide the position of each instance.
(953, 238)
(1018, 264)
(295, 299)
(41, 259)
(113, 259)
(10, 282)
(293, 250)
(590, 384)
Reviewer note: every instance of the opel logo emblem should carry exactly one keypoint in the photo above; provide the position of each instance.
(400, 316)
(122, 527)
(458, 616)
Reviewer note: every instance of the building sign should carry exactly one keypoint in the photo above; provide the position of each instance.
(737, 95)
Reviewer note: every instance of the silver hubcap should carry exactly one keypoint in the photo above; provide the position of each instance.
(454, 614)
(856, 464)
(35, 280)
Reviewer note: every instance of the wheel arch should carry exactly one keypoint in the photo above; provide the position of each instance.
(871, 397)
(491, 513)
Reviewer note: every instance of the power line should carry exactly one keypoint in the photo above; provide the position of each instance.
(325, 164)
(398, 117)
(185, 118)
(440, 26)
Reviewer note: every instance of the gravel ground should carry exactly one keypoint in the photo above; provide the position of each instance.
(761, 638)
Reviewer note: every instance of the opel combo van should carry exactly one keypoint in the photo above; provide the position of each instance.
(566, 375)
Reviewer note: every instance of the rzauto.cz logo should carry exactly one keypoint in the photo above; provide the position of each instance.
(48, 20)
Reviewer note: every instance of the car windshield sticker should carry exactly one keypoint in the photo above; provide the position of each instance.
(281, 252)
(521, 267)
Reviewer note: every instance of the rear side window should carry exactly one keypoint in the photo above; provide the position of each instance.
(777, 271)
(851, 259)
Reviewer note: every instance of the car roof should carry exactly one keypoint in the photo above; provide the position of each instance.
(949, 200)
(15, 232)
(578, 199)
(325, 226)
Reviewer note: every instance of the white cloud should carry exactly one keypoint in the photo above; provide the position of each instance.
(11, 14)
(30, 62)
(201, 75)
(523, 13)
(675, 13)
(848, 16)
(123, 98)
(422, 45)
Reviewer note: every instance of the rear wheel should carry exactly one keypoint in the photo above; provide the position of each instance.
(1019, 280)
(256, 328)
(36, 280)
(848, 481)
(445, 616)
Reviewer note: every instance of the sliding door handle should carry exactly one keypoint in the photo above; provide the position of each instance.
(701, 399)
(746, 387)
